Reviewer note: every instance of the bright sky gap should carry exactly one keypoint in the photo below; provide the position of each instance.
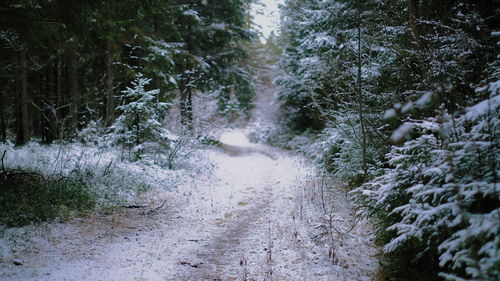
(267, 16)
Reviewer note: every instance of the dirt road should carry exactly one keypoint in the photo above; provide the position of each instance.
(250, 217)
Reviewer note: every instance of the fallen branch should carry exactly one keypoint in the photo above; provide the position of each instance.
(132, 206)
(195, 265)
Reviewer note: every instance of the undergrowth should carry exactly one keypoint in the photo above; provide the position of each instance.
(28, 197)
(43, 182)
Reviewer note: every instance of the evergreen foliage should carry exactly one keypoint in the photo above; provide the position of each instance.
(105, 73)
(140, 121)
(403, 99)
(67, 62)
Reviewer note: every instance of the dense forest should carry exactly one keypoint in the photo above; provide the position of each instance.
(401, 99)
(66, 64)
(398, 101)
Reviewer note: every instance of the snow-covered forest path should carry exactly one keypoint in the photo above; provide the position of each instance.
(244, 219)
(256, 236)
(249, 213)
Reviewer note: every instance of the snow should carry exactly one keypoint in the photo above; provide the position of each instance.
(401, 132)
(239, 211)
(190, 13)
(425, 99)
(325, 40)
(237, 138)
(407, 107)
(390, 113)
(484, 107)
(218, 26)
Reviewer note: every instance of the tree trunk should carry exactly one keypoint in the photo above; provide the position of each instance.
(72, 82)
(59, 109)
(360, 98)
(23, 133)
(3, 130)
(41, 117)
(110, 79)
(156, 24)
(157, 80)
(413, 16)
(186, 106)
(48, 108)
(186, 100)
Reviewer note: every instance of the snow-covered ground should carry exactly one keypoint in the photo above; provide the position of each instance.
(249, 217)
(241, 211)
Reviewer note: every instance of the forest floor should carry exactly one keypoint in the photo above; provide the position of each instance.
(254, 214)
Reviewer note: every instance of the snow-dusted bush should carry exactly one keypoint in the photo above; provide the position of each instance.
(91, 133)
(441, 195)
(100, 169)
(339, 151)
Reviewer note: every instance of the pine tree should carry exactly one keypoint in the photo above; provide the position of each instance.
(427, 65)
(140, 118)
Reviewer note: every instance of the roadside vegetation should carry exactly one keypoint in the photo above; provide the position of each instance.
(399, 101)
(27, 197)
(89, 87)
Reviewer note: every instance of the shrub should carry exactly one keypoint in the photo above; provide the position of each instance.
(27, 197)
(437, 205)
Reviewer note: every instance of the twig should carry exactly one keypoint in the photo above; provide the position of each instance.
(269, 248)
(155, 210)
(323, 189)
(331, 251)
(243, 263)
(3, 156)
(107, 167)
